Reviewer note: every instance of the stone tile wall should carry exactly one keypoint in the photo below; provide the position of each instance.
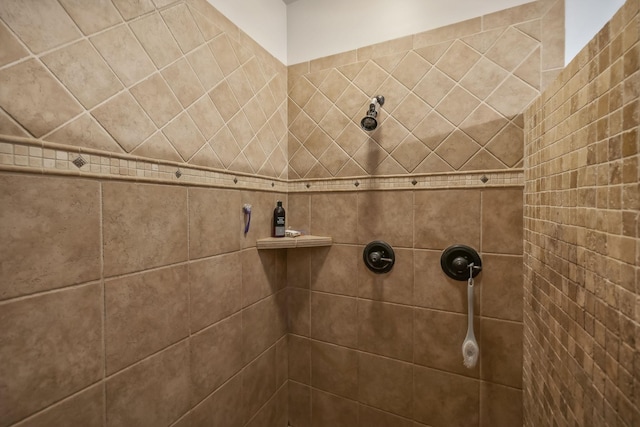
(454, 98)
(169, 80)
(582, 245)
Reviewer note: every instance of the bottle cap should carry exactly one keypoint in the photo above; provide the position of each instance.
(279, 203)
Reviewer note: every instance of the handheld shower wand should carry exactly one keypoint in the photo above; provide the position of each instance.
(369, 122)
(470, 348)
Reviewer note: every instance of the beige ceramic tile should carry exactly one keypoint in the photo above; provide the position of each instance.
(215, 289)
(438, 340)
(40, 25)
(157, 147)
(124, 54)
(12, 50)
(152, 392)
(144, 226)
(334, 319)
(299, 404)
(184, 136)
(8, 126)
(371, 416)
(258, 382)
(145, 313)
(223, 407)
(216, 355)
(330, 410)
(258, 275)
(205, 67)
(500, 405)
(85, 131)
(157, 99)
(83, 72)
(385, 329)
(31, 265)
(125, 120)
(385, 384)
(377, 209)
(92, 16)
(299, 359)
(462, 402)
(263, 323)
(183, 81)
(85, 408)
(215, 221)
(334, 269)
(224, 54)
(133, 9)
(183, 27)
(502, 221)
(37, 325)
(501, 362)
(29, 87)
(156, 39)
(334, 369)
(447, 217)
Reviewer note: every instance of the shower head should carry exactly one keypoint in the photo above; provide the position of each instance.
(369, 122)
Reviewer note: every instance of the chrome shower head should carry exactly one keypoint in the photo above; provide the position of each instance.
(370, 122)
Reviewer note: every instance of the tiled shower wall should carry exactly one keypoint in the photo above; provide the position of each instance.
(454, 98)
(142, 303)
(169, 80)
(138, 304)
(385, 350)
(582, 245)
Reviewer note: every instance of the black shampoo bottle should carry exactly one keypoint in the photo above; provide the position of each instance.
(278, 220)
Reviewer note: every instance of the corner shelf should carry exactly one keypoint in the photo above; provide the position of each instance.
(293, 242)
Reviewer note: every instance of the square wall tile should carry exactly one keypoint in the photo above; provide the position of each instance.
(258, 382)
(83, 71)
(84, 409)
(35, 326)
(331, 410)
(145, 313)
(93, 16)
(144, 226)
(438, 341)
(334, 369)
(501, 352)
(447, 217)
(215, 356)
(334, 269)
(123, 53)
(125, 120)
(334, 319)
(51, 233)
(29, 87)
(215, 221)
(12, 50)
(41, 25)
(263, 324)
(335, 215)
(223, 407)
(500, 406)
(502, 287)
(502, 221)
(385, 329)
(385, 384)
(443, 399)
(215, 289)
(386, 216)
(151, 393)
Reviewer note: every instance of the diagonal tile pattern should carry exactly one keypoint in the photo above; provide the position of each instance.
(453, 105)
(159, 79)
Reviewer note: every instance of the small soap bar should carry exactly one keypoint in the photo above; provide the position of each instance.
(291, 233)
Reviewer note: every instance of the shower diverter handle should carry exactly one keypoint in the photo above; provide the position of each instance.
(376, 257)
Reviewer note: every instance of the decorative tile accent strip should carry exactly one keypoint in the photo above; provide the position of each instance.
(30, 155)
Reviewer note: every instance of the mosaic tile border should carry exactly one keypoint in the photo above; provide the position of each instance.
(35, 156)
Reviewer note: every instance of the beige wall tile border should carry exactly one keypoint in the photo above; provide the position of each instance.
(30, 155)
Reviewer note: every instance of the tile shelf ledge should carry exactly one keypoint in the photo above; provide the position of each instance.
(307, 241)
